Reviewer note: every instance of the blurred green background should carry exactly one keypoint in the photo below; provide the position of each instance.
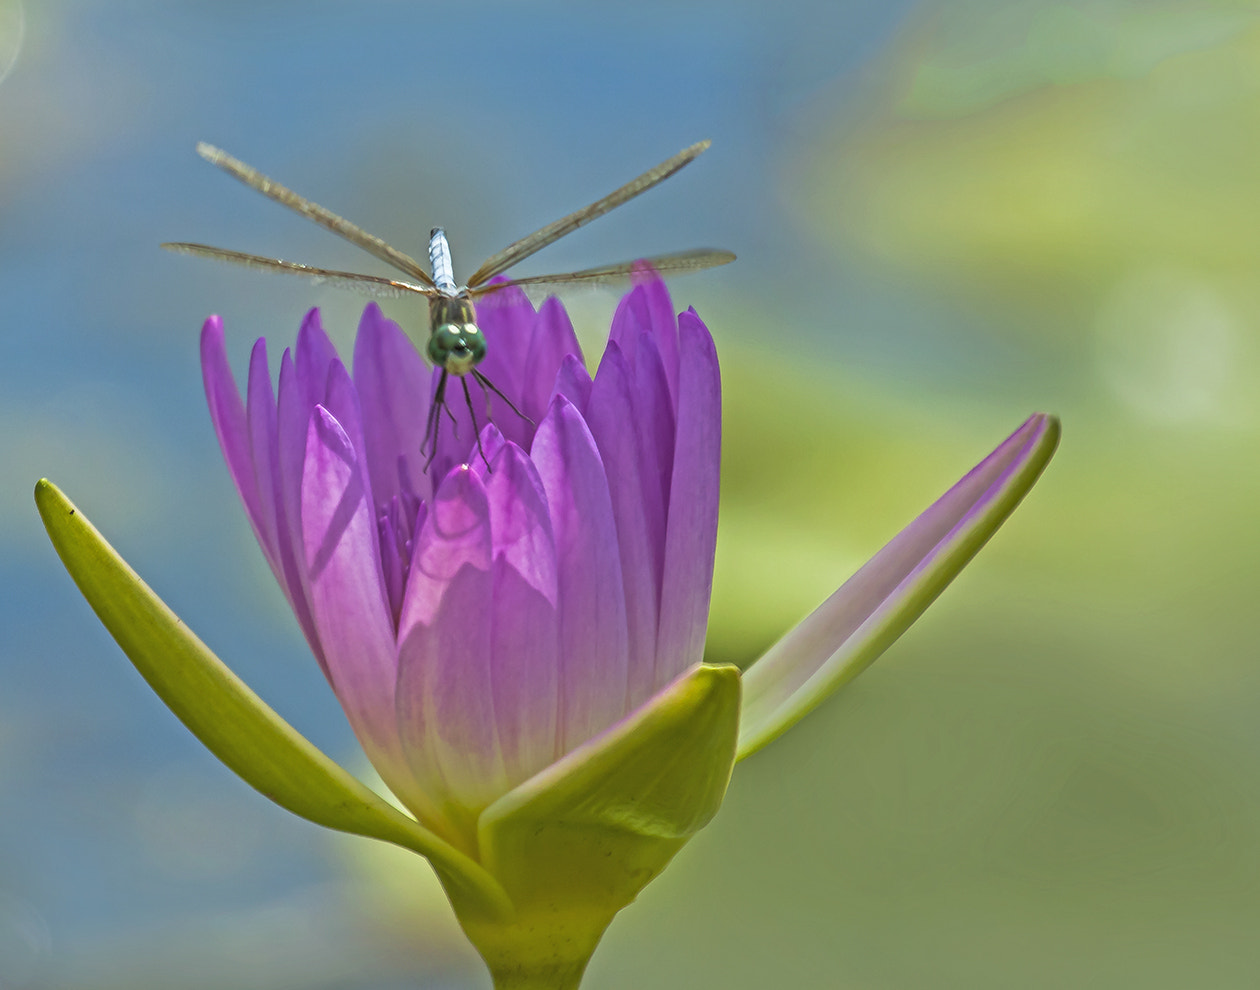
(948, 215)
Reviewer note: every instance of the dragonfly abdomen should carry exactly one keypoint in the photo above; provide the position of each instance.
(440, 262)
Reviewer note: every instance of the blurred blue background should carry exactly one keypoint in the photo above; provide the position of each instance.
(948, 215)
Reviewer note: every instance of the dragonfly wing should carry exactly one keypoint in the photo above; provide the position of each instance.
(539, 239)
(313, 211)
(366, 284)
(682, 261)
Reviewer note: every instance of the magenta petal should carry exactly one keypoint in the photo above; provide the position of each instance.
(393, 385)
(292, 424)
(594, 640)
(520, 526)
(341, 400)
(260, 416)
(445, 708)
(647, 309)
(573, 381)
(492, 441)
(553, 341)
(312, 356)
(654, 417)
(630, 320)
(508, 320)
(845, 634)
(611, 417)
(347, 593)
(691, 538)
(663, 320)
(523, 616)
(227, 412)
(455, 533)
(264, 440)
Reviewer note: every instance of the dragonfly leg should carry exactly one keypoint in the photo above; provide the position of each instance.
(488, 386)
(433, 420)
(473, 413)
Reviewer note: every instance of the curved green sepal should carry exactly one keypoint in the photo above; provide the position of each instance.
(233, 722)
(578, 841)
(848, 631)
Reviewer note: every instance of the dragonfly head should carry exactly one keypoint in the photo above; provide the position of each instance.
(456, 347)
(456, 344)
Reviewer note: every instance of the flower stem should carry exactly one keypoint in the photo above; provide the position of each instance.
(567, 978)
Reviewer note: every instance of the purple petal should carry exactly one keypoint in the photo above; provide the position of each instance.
(640, 534)
(341, 399)
(445, 707)
(691, 537)
(292, 423)
(492, 441)
(393, 386)
(508, 320)
(227, 413)
(573, 382)
(594, 640)
(657, 310)
(246, 438)
(845, 634)
(260, 416)
(264, 441)
(455, 533)
(523, 616)
(313, 355)
(629, 321)
(392, 562)
(553, 341)
(347, 593)
(654, 416)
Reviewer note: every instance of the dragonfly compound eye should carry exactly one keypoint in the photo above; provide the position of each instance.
(456, 347)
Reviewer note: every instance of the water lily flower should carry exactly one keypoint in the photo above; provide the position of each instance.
(517, 638)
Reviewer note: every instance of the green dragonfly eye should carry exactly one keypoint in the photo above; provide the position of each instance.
(456, 347)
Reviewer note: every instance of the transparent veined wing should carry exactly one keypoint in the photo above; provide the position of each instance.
(371, 285)
(539, 239)
(313, 211)
(678, 262)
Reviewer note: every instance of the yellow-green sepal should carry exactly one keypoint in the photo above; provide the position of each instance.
(229, 719)
(578, 841)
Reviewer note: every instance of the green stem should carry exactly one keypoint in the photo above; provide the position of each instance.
(551, 978)
(538, 950)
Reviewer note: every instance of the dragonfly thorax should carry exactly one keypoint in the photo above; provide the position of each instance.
(456, 344)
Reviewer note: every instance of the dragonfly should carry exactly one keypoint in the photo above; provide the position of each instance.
(456, 345)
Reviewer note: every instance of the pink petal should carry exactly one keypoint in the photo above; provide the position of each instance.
(523, 615)
(640, 533)
(553, 341)
(313, 355)
(260, 415)
(264, 441)
(847, 632)
(594, 640)
(343, 571)
(693, 505)
(293, 417)
(573, 382)
(445, 708)
(393, 386)
(227, 413)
